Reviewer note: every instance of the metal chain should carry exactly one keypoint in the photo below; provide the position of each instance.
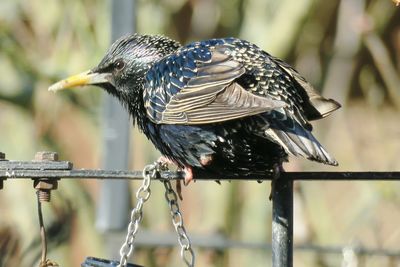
(142, 195)
(187, 253)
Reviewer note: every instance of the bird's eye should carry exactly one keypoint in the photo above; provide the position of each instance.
(119, 64)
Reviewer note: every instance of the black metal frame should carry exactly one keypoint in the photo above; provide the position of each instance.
(282, 197)
(65, 170)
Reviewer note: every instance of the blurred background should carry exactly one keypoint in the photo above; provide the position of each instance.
(350, 50)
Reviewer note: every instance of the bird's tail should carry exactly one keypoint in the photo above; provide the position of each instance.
(299, 141)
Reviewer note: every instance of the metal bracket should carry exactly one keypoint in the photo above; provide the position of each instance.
(97, 262)
(2, 158)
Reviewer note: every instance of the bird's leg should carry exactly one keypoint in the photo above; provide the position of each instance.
(276, 173)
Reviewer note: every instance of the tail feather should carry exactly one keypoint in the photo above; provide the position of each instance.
(299, 142)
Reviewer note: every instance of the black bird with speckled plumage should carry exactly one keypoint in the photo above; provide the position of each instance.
(223, 105)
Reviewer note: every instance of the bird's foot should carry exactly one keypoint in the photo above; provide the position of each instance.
(187, 170)
(164, 161)
(276, 173)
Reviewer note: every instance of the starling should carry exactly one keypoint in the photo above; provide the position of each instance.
(221, 106)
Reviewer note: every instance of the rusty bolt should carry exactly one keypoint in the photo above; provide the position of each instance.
(46, 156)
(44, 195)
(44, 186)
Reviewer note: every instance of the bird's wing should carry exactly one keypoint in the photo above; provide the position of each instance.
(198, 86)
(315, 106)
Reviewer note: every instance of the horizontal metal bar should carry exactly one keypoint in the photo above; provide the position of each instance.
(136, 175)
(35, 165)
(348, 175)
(79, 174)
(220, 242)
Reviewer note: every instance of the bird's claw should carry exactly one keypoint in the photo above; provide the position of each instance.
(188, 175)
(178, 187)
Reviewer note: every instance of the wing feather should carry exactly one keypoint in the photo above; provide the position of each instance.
(210, 96)
(315, 105)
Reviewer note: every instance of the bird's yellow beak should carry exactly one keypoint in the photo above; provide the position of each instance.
(81, 79)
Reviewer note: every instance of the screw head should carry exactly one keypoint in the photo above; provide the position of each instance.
(46, 156)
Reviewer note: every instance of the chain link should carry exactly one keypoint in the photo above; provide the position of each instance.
(142, 195)
(187, 253)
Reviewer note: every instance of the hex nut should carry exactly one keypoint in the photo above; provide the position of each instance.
(45, 184)
(46, 156)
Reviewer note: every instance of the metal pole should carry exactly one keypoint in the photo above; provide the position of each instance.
(114, 203)
(282, 223)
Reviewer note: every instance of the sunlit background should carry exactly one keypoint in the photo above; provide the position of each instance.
(349, 49)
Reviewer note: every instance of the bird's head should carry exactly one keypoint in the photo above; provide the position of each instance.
(122, 70)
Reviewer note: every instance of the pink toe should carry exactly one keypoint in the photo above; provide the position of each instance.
(188, 174)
